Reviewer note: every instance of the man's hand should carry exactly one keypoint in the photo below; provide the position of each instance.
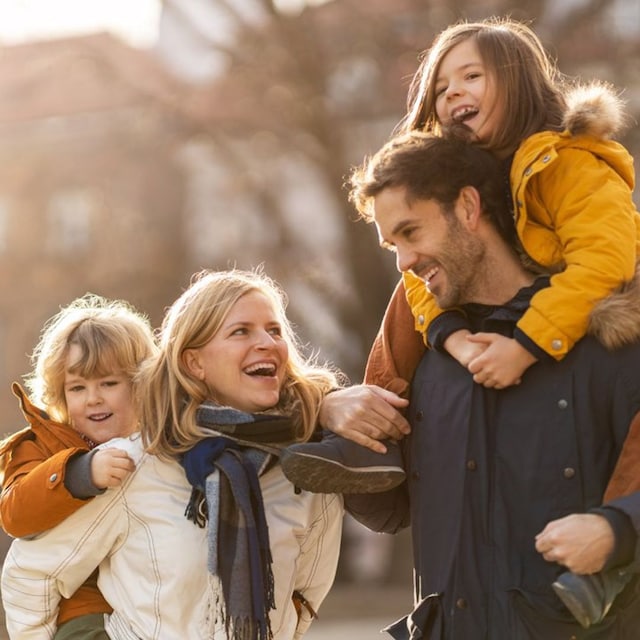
(365, 414)
(580, 542)
(109, 467)
(502, 363)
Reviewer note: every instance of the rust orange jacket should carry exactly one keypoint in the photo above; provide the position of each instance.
(34, 497)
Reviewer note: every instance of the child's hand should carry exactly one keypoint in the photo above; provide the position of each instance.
(461, 348)
(109, 467)
(502, 362)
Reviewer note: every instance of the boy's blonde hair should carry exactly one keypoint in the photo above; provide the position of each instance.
(112, 336)
(171, 394)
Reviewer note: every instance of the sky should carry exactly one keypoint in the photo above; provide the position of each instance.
(136, 21)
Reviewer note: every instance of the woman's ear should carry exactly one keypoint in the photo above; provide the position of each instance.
(191, 360)
(471, 205)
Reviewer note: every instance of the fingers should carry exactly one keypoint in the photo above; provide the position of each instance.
(109, 467)
(392, 398)
(364, 414)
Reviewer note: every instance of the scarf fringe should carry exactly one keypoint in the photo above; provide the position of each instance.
(238, 628)
(196, 509)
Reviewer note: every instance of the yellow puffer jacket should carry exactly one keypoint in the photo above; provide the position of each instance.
(575, 216)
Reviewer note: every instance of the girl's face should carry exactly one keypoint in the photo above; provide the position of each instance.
(466, 92)
(244, 364)
(99, 408)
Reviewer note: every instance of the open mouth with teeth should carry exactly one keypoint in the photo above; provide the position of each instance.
(465, 114)
(100, 417)
(261, 369)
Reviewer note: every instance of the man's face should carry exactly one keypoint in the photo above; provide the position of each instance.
(437, 248)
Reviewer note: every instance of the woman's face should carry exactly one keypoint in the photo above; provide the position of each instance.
(244, 364)
(465, 91)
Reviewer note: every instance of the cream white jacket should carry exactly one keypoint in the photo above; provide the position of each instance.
(153, 561)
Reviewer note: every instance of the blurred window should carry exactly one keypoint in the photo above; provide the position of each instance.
(69, 216)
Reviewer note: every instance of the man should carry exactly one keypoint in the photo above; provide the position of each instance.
(492, 475)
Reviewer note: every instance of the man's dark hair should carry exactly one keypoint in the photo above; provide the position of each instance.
(432, 167)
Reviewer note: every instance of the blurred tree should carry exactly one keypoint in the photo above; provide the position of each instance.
(326, 83)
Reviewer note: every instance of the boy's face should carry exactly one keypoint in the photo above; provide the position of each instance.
(99, 408)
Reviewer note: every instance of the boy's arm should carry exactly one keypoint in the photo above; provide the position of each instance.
(397, 349)
(34, 496)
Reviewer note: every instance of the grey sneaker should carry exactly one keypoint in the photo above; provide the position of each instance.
(338, 465)
(589, 597)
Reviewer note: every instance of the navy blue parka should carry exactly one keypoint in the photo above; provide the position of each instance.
(488, 469)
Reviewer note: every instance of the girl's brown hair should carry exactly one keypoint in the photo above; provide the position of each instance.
(527, 81)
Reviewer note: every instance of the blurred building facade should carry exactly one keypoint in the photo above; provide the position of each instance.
(124, 171)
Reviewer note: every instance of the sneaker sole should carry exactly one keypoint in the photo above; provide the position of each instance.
(573, 604)
(319, 475)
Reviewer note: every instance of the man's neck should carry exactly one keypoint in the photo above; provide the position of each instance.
(499, 279)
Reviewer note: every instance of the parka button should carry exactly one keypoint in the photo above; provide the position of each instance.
(556, 344)
(569, 472)
(471, 465)
(562, 404)
(415, 475)
(527, 171)
(53, 477)
(461, 603)
(419, 415)
(546, 159)
(420, 319)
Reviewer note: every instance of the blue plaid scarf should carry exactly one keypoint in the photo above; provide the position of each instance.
(226, 492)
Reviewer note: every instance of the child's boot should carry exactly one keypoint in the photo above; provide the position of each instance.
(589, 597)
(338, 465)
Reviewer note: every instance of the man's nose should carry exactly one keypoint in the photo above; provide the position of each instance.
(405, 259)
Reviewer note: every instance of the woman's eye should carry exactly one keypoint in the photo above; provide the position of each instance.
(275, 331)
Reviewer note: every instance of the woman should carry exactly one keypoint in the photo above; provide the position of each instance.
(229, 370)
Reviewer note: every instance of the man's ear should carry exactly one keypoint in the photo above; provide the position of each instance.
(191, 360)
(471, 205)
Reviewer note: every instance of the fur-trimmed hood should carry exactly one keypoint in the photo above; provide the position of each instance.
(615, 320)
(595, 109)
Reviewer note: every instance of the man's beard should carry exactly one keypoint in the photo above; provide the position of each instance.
(462, 260)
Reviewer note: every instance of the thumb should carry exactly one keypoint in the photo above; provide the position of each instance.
(481, 338)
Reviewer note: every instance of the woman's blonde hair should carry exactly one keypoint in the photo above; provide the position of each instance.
(528, 84)
(112, 336)
(172, 394)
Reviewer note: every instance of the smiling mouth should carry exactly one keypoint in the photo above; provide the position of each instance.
(100, 417)
(262, 369)
(430, 274)
(462, 115)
